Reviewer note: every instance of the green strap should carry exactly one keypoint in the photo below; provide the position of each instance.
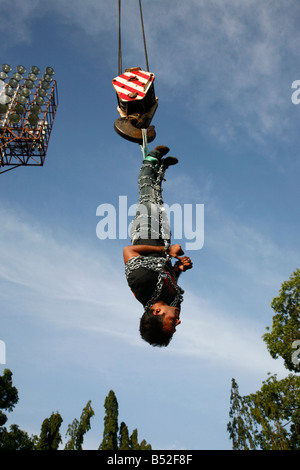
(144, 146)
(151, 159)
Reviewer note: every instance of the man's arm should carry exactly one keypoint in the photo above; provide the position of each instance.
(140, 250)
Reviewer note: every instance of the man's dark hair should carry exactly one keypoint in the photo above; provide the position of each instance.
(151, 329)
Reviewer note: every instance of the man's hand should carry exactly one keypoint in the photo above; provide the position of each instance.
(184, 263)
(175, 251)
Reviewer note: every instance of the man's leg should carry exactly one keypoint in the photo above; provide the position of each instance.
(145, 225)
(150, 221)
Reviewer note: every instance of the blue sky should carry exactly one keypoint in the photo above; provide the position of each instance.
(224, 71)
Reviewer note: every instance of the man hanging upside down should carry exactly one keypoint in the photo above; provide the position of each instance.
(148, 267)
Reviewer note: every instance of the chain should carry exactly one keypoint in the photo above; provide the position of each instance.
(159, 265)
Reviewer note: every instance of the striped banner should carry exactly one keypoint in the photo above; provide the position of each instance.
(133, 85)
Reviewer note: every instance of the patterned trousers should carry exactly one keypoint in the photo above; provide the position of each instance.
(151, 221)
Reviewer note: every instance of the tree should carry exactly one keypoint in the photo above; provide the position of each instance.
(110, 432)
(124, 442)
(134, 443)
(115, 438)
(15, 438)
(238, 428)
(50, 437)
(77, 429)
(286, 322)
(270, 418)
(145, 446)
(8, 395)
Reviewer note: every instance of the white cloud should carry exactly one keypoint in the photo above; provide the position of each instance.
(60, 279)
(229, 60)
(251, 253)
(71, 286)
(91, 15)
(217, 338)
(16, 21)
(249, 248)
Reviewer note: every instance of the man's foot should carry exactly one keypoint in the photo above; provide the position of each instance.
(168, 161)
(158, 153)
(162, 150)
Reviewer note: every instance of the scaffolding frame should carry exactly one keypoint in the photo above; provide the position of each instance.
(24, 143)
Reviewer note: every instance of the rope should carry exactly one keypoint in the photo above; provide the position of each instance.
(144, 146)
(145, 47)
(120, 50)
(144, 39)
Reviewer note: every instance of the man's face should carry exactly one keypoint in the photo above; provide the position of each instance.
(171, 317)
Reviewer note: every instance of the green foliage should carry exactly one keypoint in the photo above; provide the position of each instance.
(14, 438)
(50, 437)
(78, 429)
(145, 446)
(8, 395)
(239, 428)
(110, 433)
(115, 438)
(124, 442)
(270, 418)
(286, 322)
(134, 444)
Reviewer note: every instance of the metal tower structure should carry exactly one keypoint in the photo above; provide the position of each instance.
(28, 106)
